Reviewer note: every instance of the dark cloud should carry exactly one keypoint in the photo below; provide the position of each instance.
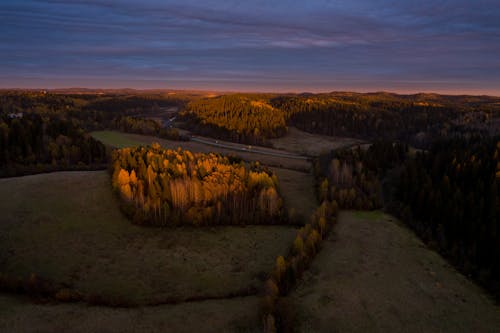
(450, 46)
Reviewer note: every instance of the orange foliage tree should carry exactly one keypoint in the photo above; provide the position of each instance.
(165, 187)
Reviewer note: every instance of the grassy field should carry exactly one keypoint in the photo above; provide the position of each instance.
(374, 275)
(297, 189)
(117, 139)
(18, 315)
(120, 140)
(304, 143)
(66, 227)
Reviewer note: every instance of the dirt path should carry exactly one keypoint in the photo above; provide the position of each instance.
(374, 275)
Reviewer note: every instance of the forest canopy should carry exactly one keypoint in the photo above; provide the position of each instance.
(174, 187)
(450, 195)
(236, 117)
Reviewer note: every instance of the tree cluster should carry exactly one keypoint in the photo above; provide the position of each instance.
(134, 103)
(352, 177)
(450, 197)
(144, 126)
(34, 143)
(417, 120)
(174, 187)
(236, 118)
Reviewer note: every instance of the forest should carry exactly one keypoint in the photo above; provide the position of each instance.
(414, 119)
(353, 177)
(238, 118)
(177, 187)
(145, 126)
(33, 144)
(91, 111)
(41, 132)
(450, 196)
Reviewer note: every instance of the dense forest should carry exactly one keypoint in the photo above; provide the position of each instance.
(89, 111)
(167, 187)
(133, 104)
(144, 126)
(450, 197)
(235, 117)
(33, 143)
(413, 119)
(449, 194)
(352, 177)
(42, 131)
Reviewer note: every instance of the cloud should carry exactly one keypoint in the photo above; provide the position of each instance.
(270, 43)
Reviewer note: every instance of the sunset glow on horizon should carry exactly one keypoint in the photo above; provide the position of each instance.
(449, 47)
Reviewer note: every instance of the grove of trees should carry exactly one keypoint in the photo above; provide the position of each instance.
(414, 119)
(33, 143)
(144, 126)
(235, 117)
(175, 187)
(352, 177)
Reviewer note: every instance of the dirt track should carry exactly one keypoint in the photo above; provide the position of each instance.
(374, 275)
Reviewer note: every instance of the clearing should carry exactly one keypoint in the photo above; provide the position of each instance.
(375, 275)
(66, 227)
(206, 145)
(297, 190)
(309, 144)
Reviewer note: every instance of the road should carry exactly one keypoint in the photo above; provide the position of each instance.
(247, 149)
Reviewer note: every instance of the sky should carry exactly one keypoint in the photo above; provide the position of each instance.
(273, 45)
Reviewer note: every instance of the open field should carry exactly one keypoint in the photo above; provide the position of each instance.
(297, 189)
(66, 227)
(309, 144)
(374, 275)
(117, 139)
(231, 315)
(120, 140)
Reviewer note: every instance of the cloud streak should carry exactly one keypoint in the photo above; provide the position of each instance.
(452, 46)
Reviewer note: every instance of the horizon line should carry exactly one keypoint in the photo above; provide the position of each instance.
(249, 91)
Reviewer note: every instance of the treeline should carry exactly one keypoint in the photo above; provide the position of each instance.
(146, 127)
(236, 118)
(130, 104)
(289, 269)
(450, 197)
(417, 120)
(352, 177)
(33, 143)
(176, 187)
(90, 111)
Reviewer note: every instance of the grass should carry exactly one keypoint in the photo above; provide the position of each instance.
(368, 215)
(232, 315)
(66, 227)
(119, 140)
(373, 274)
(297, 189)
(116, 139)
(309, 144)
